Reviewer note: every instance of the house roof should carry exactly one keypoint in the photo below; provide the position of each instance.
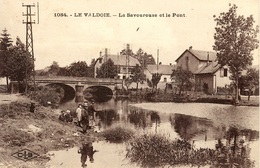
(162, 69)
(212, 67)
(121, 60)
(201, 55)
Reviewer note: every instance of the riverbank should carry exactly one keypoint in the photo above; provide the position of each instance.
(38, 132)
(203, 98)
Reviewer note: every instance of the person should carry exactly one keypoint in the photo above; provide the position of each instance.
(68, 117)
(62, 116)
(79, 115)
(85, 151)
(92, 113)
(32, 107)
(84, 120)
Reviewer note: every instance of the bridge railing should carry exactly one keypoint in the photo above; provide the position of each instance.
(83, 80)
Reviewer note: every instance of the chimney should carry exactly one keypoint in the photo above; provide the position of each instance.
(105, 51)
(190, 48)
(100, 53)
(170, 64)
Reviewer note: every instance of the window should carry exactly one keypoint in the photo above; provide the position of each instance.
(165, 79)
(225, 72)
(124, 77)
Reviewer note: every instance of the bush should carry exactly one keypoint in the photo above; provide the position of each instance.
(155, 150)
(118, 133)
(45, 95)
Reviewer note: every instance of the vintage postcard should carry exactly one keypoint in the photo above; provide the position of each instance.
(102, 84)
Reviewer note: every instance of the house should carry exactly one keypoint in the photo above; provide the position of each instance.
(125, 63)
(209, 76)
(164, 70)
(192, 59)
(212, 78)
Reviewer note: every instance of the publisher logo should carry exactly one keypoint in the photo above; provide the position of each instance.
(25, 155)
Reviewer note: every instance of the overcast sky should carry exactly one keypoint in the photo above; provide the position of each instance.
(71, 39)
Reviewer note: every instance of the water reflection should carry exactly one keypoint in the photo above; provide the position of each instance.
(203, 126)
(86, 151)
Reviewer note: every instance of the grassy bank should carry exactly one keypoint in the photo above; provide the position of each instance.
(39, 132)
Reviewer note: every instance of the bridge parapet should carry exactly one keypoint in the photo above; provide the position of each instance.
(75, 80)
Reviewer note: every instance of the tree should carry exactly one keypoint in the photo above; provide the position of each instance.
(107, 70)
(79, 69)
(249, 81)
(183, 79)
(54, 68)
(5, 43)
(137, 75)
(235, 39)
(156, 77)
(63, 71)
(19, 63)
(144, 58)
(91, 68)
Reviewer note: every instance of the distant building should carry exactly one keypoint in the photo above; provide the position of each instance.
(209, 75)
(125, 63)
(164, 70)
(192, 59)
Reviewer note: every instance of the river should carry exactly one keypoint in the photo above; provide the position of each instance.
(200, 123)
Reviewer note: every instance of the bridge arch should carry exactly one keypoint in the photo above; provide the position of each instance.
(68, 92)
(99, 93)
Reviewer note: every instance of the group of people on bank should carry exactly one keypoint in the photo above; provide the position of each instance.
(85, 113)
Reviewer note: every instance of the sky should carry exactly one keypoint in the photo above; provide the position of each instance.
(70, 39)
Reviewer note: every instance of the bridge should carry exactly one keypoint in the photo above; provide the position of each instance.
(77, 85)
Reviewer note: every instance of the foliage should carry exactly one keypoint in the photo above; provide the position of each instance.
(127, 82)
(91, 68)
(156, 150)
(249, 81)
(54, 68)
(19, 64)
(47, 94)
(5, 44)
(79, 69)
(137, 75)
(156, 77)
(235, 39)
(118, 133)
(107, 70)
(144, 58)
(183, 79)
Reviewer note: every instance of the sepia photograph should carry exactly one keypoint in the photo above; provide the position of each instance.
(129, 84)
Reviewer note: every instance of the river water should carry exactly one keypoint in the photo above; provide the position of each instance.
(200, 123)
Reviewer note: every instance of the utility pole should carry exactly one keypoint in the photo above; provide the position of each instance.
(157, 60)
(29, 39)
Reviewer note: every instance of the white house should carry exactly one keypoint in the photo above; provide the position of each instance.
(164, 70)
(212, 77)
(124, 63)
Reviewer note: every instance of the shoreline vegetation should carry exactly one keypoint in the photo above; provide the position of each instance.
(190, 97)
